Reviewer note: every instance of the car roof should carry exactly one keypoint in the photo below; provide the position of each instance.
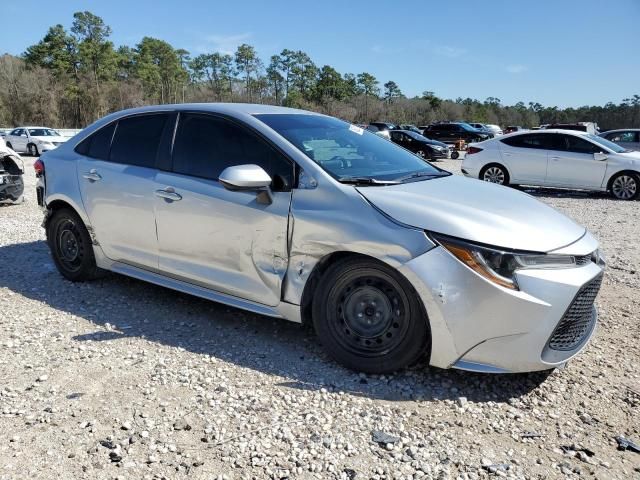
(577, 133)
(230, 108)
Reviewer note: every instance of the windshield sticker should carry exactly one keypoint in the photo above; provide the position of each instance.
(355, 129)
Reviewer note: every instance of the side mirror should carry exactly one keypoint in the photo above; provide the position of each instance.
(599, 156)
(247, 178)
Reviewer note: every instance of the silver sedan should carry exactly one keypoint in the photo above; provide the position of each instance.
(302, 216)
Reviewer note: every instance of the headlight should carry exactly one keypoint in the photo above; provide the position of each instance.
(500, 266)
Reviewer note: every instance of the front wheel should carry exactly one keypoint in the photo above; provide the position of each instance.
(9, 145)
(369, 318)
(33, 150)
(71, 246)
(495, 174)
(625, 186)
(455, 155)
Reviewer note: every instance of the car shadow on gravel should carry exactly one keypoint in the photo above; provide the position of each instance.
(122, 308)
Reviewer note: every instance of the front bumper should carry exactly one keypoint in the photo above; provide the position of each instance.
(444, 154)
(477, 325)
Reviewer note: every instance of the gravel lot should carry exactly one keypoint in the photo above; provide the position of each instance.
(122, 379)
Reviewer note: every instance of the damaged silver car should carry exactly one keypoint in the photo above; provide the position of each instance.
(11, 171)
(302, 216)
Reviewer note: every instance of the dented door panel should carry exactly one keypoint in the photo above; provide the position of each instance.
(223, 240)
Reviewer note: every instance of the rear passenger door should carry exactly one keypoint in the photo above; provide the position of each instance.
(526, 156)
(212, 237)
(117, 180)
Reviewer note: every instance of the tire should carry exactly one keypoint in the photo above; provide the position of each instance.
(455, 155)
(9, 145)
(71, 246)
(495, 173)
(421, 154)
(625, 186)
(33, 150)
(369, 318)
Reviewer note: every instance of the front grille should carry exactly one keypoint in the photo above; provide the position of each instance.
(578, 319)
(584, 259)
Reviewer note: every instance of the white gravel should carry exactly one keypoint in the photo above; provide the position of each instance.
(122, 379)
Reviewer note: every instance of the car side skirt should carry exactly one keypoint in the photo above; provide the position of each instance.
(282, 310)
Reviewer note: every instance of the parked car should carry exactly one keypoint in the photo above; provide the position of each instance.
(420, 145)
(495, 129)
(588, 127)
(452, 132)
(382, 129)
(34, 140)
(11, 171)
(297, 215)
(628, 138)
(556, 158)
(411, 128)
(513, 128)
(483, 128)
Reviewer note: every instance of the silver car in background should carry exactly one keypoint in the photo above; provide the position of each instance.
(556, 158)
(301, 216)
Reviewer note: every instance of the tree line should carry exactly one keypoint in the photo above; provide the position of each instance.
(73, 77)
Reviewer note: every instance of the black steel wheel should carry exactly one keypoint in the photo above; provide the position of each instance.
(71, 246)
(369, 318)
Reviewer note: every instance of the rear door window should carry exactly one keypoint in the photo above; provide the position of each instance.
(137, 139)
(536, 141)
(206, 144)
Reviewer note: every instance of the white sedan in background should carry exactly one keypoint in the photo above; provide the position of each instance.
(556, 158)
(33, 140)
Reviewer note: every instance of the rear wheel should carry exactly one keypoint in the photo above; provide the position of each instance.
(625, 186)
(495, 173)
(369, 318)
(71, 246)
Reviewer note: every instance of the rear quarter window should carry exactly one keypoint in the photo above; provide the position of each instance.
(98, 144)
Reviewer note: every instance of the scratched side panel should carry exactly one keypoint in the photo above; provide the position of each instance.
(326, 220)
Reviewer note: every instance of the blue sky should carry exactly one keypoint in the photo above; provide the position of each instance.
(562, 52)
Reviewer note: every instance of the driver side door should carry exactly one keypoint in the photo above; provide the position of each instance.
(575, 166)
(224, 240)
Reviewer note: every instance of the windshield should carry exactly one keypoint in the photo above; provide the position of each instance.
(348, 152)
(606, 143)
(43, 132)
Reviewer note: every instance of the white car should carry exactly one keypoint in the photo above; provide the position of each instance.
(33, 140)
(495, 129)
(556, 158)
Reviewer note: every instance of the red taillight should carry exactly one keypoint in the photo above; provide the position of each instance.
(38, 166)
(472, 150)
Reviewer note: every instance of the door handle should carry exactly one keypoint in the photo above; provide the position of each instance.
(169, 194)
(92, 175)
(506, 154)
(555, 158)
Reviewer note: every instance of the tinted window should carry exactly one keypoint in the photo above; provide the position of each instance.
(539, 141)
(578, 145)
(16, 132)
(205, 145)
(97, 145)
(137, 139)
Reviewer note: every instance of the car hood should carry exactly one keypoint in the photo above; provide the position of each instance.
(478, 211)
(48, 138)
